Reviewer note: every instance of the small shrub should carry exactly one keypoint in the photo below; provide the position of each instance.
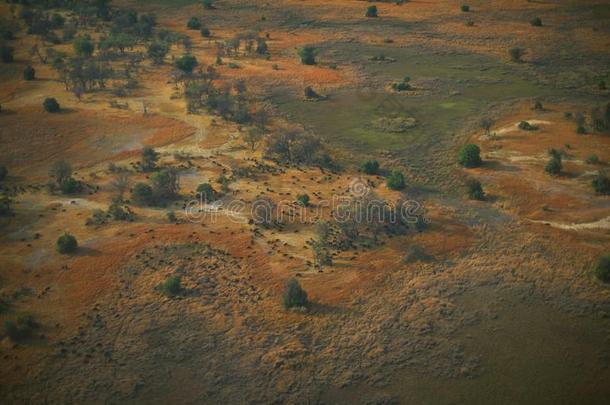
(592, 160)
(601, 85)
(51, 105)
(470, 156)
(469, 23)
(417, 254)
(526, 126)
(538, 105)
(395, 181)
(581, 130)
(71, 186)
(303, 199)
(172, 286)
(29, 73)
(371, 11)
(294, 295)
(83, 46)
(536, 22)
(602, 269)
(516, 53)
(66, 244)
(149, 159)
(21, 329)
(475, 190)
(208, 4)
(554, 166)
(193, 24)
(205, 32)
(3, 173)
(601, 183)
(465, 8)
(171, 217)
(308, 55)
(370, 167)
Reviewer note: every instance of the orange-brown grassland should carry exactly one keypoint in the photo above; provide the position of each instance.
(304, 202)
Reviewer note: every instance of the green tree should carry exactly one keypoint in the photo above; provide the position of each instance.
(66, 244)
(208, 4)
(165, 184)
(294, 295)
(536, 22)
(370, 167)
(187, 63)
(157, 51)
(303, 199)
(29, 73)
(193, 24)
(149, 159)
(83, 46)
(395, 181)
(61, 171)
(602, 269)
(172, 286)
(554, 166)
(51, 105)
(208, 194)
(3, 172)
(475, 190)
(516, 53)
(470, 156)
(371, 11)
(601, 183)
(142, 194)
(308, 55)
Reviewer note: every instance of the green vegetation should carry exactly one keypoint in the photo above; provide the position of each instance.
(205, 32)
(157, 51)
(465, 8)
(601, 183)
(172, 286)
(3, 173)
(66, 244)
(395, 181)
(171, 217)
(149, 159)
(193, 24)
(165, 184)
(602, 269)
(601, 85)
(370, 167)
(516, 53)
(51, 105)
(208, 4)
(187, 63)
(402, 85)
(21, 329)
(475, 190)
(142, 194)
(308, 55)
(208, 194)
(303, 199)
(592, 159)
(554, 166)
(470, 156)
(294, 295)
(536, 22)
(526, 126)
(61, 171)
(83, 46)
(7, 53)
(29, 73)
(371, 11)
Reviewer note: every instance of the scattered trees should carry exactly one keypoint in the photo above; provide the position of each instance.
(470, 156)
(294, 295)
(66, 244)
(51, 105)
